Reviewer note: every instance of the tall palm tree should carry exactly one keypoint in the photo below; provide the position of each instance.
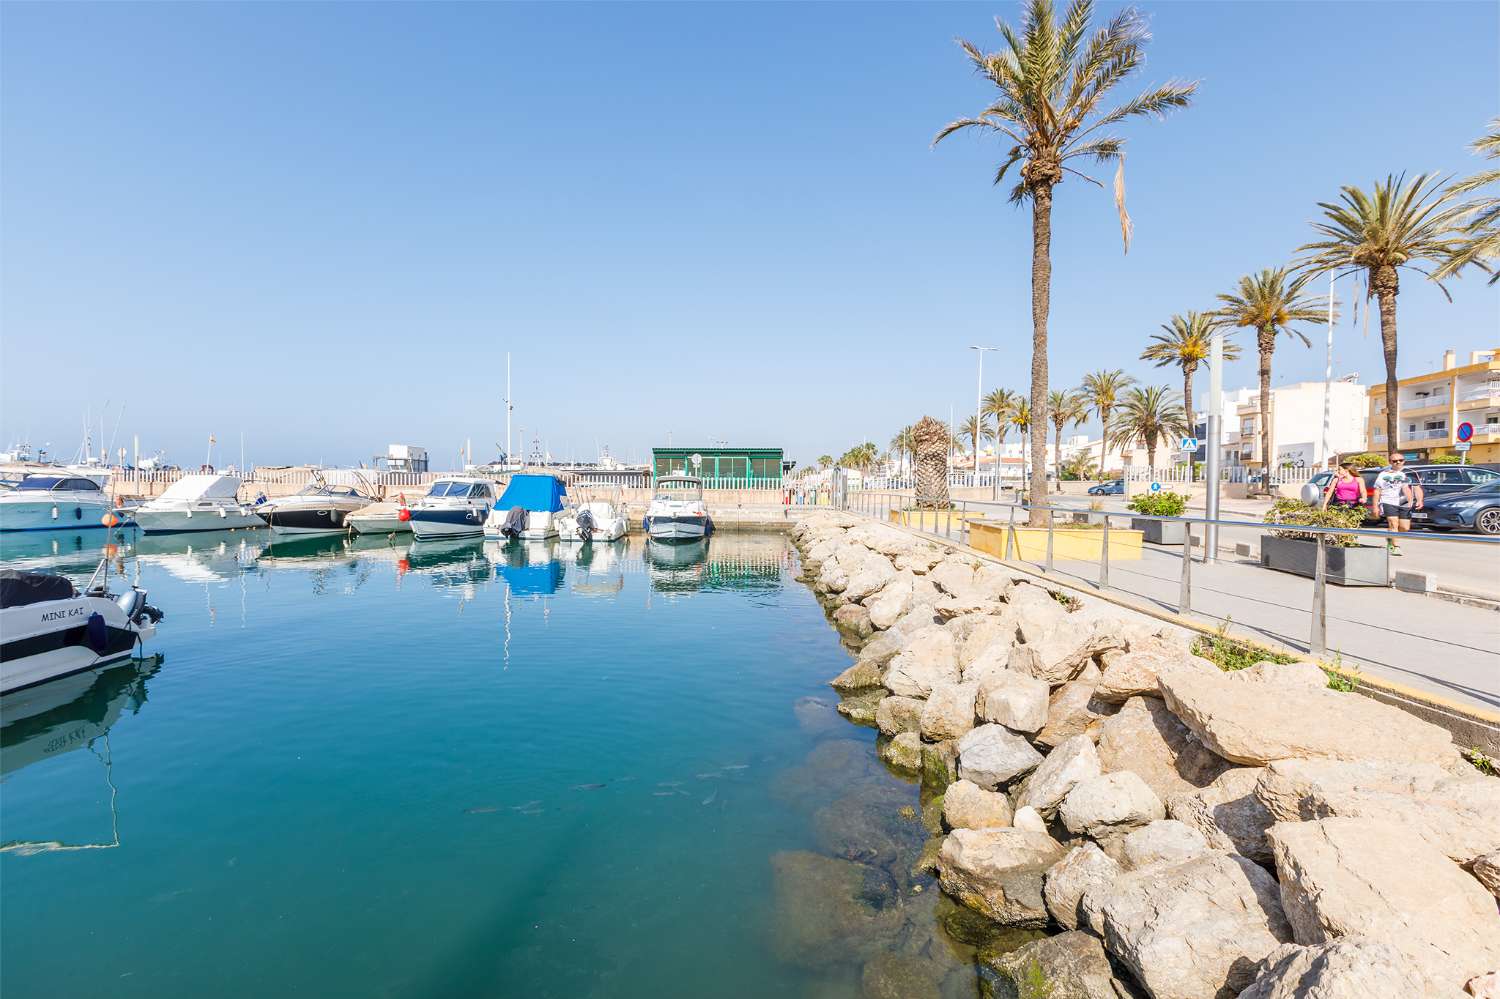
(1052, 79)
(977, 433)
(1271, 303)
(1063, 408)
(1149, 414)
(1185, 341)
(1398, 225)
(1102, 390)
(1481, 235)
(997, 406)
(860, 456)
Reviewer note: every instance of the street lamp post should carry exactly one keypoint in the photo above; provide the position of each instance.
(979, 420)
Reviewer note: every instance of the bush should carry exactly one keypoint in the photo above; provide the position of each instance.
(1445, 459)
(1163, 504)
(1231, 654)
(1295, 512)
(1367, 460)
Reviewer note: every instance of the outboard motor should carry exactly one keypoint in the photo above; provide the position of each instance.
(131, 603)
(585, 525)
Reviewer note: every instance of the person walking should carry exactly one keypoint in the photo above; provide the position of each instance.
(1397, 494)
(1346, 488)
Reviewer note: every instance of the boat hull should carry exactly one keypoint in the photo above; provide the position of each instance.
(431, 524)
(670, 528)
(47, 640)
(48, 515)
(377, 525)
(182, 521)
(321, 520)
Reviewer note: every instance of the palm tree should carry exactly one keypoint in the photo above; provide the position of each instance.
(998, 405)
(904, 443)
(825, 461)
(1101, 390)
(1399, 225)
(1063, 408)
(1052, 79)
(1270, 303)
(860, 456)
(931, 469)
(1020, 417)
(1481, 236)
(976, 432)
(1149, 414)
(1185, 342)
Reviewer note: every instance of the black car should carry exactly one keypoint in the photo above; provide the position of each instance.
(1474, 509)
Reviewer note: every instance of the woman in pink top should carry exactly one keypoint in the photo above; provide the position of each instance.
(1347, 488)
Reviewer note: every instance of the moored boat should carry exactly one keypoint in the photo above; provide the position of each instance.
(206, 502)
(677, 512)
(595, 516)
(527, 509)
(319, 508)
(48, 502)
(453, 508)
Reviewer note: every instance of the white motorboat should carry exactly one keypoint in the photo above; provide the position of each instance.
(50, 629)
(319, 508)
(54, 502)
(527, 509)
(594, 518)
(379, 518)
(677, 512)
(453, 508)
(207, 502)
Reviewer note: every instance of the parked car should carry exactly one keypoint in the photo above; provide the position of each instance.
(1474, 509)
(1115, 488)
(1436, 480)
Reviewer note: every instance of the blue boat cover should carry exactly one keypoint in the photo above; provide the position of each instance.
(534, 493)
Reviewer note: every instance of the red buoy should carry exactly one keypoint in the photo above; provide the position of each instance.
(404, 515)
(109, 520)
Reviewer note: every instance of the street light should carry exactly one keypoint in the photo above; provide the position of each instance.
(979, 413)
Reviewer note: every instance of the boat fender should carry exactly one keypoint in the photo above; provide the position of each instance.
(78, 513)
(54, 513)
(190, 514)
(96, 633)
(223, 513)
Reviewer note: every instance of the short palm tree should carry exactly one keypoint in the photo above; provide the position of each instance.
(860, 456)
(931, 472)
(1149, 414)
(1052, 79)
(1481, 235)
(997, 406)
(1063, 408)
(1397, 225)
(1185, 342)
(904, 444)
(825, 461)
(1101, 391)
(1020, 418)
(977, 433)
(1272, 303)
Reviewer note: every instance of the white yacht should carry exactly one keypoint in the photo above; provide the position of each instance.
(452, 508)
(677, 512)
(384, 517)
(50, 629)
(596, 516)
(527, 509)
(54, 502)
(319, 508)
(207, 502)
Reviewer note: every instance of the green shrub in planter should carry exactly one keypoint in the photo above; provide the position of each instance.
(1295, 512)
(1368, 460)
(1162, 504)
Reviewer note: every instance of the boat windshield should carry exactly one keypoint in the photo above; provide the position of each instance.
(47, 482)
(679, 490)
(441, 488)
(39, 482)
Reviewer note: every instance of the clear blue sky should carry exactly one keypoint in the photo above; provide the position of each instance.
(323, 225)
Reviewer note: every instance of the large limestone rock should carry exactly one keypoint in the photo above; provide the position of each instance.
(853, 621)
(928, 660)
(1029, 818)
(966, 805)
(999, 872)
(894, 715)
(831, 577)
(949, 712)
(1071, 763)
(1085, 869)
(1165, 841)
(1254, 722)
(1017, 701)
(1146, 738)
(939, 764)
(1133, 674)
(954, 576)
(1354, 968)
(827, 906)
(863, 675)
(1227, 814)
(992, 755)
(1073, 965)
(1458, 815)
(903, 752)
(1110, 803)
(1487, 870)
(1063, 652)
(1365, 877)
(1196, 929)
(1073, 710)
(873, 573)
(887, 606)
(880, 649)
(1485, 986)
(1035, 607)
(860, 707)
(992, 634)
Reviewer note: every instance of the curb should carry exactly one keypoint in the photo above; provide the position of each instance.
(1471, 727)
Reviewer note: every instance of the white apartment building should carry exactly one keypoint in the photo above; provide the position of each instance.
(1296, 423)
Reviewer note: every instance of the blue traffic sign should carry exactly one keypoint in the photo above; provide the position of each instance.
(1189, 444)
(1465, 430)
(1156, 487)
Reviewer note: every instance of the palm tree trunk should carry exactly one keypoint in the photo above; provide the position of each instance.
(1103, 441)
(1266, 341)
(1057, 458)
(1384, 281)
(1041, 303)
(1187, 399)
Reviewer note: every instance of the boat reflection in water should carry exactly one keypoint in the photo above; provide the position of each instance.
(69, 553)
(597, 567)
(529, 568)
(455, 563)
(723, 562)
(74, 712)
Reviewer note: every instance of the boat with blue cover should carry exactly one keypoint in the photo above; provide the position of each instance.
(528, 509)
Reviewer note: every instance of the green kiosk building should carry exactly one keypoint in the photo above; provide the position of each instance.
(721, 467)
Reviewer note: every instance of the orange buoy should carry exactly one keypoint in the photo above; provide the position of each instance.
(404, 515)
(402, 567)
(109, 520)
(110, 551)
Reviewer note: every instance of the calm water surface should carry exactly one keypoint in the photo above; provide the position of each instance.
(376, 769)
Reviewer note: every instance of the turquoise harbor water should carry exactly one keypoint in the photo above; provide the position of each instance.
(373, 769)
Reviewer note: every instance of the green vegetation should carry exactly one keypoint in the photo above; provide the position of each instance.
(1445, 459)
(1185, 342)
(1064, 408)
(1367, 460)
(1150, 414)
(1162, 504)
(1072, 603)
(1339, 678)
(1034, 983)
(1479, 240)
(1231, 654)
(1295, 512)
(1101, 391)
(1481, 762)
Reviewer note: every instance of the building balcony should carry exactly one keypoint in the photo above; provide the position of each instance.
(1482, 397)
(1424, 407)
(1435, 435)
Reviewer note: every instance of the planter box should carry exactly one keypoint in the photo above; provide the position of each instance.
(1161, 532)
(1067, 543)
(1362, 565)
(936, 521)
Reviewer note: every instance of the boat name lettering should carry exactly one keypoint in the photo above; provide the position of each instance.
(58, 615)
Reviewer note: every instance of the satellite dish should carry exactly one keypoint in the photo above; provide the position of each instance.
(697, 460)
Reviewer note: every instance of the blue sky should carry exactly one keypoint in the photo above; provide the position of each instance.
(323, 225)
